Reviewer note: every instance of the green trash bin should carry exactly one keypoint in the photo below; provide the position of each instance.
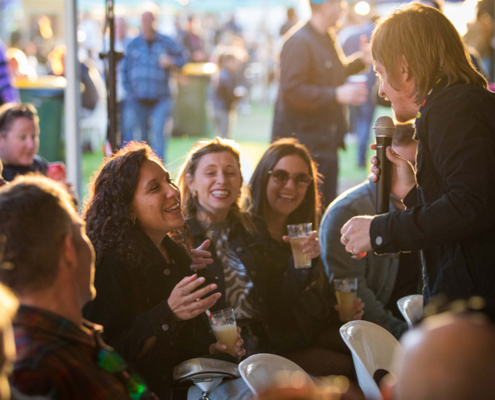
(190, 116)
(47, 95)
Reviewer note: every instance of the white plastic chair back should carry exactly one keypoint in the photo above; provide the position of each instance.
(411, 308)
(262, 371)
(373, 348)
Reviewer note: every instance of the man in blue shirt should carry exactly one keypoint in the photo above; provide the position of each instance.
(146, 71)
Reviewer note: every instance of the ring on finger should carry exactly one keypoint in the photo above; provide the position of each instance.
(184, 292)
(344, 239)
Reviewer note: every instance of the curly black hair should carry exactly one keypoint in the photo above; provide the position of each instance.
(108, 224)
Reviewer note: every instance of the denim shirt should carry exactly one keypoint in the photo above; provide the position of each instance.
(143, 77)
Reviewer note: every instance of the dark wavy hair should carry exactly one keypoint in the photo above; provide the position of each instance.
(108, 224)
(310, 209)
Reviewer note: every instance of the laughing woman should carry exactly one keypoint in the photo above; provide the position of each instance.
(268, 296)
(145, 298)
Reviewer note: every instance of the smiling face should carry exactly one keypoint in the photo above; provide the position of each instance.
(401, 97)
(283, 199)
(21, 143)
(156, 203)
(217, 181)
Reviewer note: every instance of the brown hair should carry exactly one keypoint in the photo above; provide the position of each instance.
(37, 214)
(429, 43)
(9, 112)
(191, 203)
(309, 210)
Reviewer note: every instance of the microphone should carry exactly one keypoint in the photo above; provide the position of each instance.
(384, 130)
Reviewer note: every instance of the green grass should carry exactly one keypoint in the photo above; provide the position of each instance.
(253, 135)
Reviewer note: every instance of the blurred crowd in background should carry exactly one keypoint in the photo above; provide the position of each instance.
(250, 38)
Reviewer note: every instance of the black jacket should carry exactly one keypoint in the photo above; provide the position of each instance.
(293, 306)
(450, 215)
(131, 304)
(39, 165)
(311, 68)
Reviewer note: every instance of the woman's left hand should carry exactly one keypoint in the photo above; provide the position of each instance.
(201, 257)
(358, 308)
(220, 348)
(311, 246)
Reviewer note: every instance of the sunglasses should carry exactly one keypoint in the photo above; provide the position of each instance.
(281, 177)
(112, 362)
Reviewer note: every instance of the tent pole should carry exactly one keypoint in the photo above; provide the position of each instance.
(72, 98)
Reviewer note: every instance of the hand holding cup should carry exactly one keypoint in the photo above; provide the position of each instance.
(310, 246)
(219, 347)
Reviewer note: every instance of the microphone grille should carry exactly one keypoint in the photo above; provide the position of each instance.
(384, 126)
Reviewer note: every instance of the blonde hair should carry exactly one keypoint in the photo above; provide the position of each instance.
(430, 45)
(190, 203)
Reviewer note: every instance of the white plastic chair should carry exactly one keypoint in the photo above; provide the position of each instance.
(411, 308)
(262, 371)
(373, 348)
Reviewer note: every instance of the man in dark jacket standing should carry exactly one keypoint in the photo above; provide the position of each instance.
(450, 214)
(313, 91)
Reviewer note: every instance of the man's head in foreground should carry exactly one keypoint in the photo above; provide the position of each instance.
(412, 48)
(49, 258)
(447, 358)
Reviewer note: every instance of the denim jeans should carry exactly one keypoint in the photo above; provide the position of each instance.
(143, 121)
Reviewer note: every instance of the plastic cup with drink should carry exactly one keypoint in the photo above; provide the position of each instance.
(298, 234)
(224, 327)
(345, 289)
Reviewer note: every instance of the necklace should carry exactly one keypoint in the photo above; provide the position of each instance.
(421, 108)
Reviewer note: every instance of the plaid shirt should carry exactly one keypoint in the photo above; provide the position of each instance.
(57, 358)
(7, 92)
(143, 77)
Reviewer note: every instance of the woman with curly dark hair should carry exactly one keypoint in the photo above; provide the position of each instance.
(152, 310)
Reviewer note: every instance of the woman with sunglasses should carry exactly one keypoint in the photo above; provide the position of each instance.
(151, 307)
(19, 141)
(253, 275)
(284, 192)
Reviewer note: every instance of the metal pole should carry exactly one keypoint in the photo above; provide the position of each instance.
(113, 132)
(72, 98)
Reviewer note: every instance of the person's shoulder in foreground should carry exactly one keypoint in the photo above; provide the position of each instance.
(57, 358)
(52, 260)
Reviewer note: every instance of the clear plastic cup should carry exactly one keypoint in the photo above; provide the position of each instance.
(298, 234)
(224, 327)
(346, 289)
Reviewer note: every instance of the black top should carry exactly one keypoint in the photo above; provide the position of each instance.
(293, 306)
(406, 283)
(131, 304)
(10, 171)
(311, 68)
(224, 92)
(450, 214)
